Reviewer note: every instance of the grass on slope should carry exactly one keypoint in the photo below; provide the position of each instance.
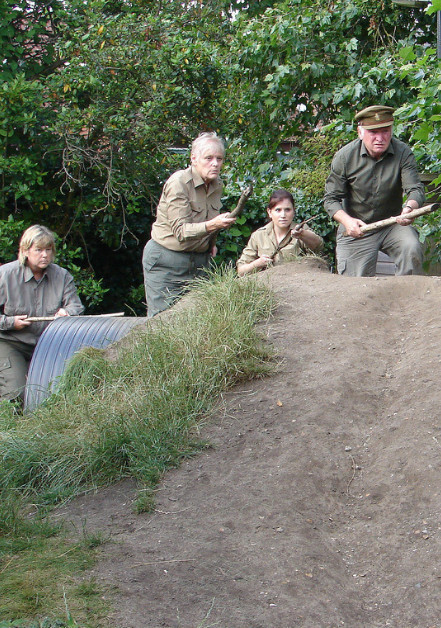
(135, 416)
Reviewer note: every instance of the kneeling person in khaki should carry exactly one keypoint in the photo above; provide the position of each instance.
(281, 240)
(368, 179)
(32, 286)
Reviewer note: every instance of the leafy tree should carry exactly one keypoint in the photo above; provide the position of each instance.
(28, 31)
(98, 100)
(301, 64)
(306, 66)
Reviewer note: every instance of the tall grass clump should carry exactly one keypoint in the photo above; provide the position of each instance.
(138, 414)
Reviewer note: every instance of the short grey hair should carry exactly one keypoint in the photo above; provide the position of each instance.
(38, 235)
(203, 139)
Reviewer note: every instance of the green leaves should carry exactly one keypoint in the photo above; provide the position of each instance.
(423, 132)
(433, 7)
(89, 126)
(407, 53)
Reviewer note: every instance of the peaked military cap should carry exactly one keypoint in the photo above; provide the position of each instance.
(375, 117)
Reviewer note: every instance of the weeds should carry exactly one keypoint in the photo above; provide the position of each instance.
(145, 501)
(36, 577)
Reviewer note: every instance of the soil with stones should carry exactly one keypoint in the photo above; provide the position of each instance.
(319, 504)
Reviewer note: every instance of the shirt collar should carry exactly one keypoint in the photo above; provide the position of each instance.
(270, 230)
(198, 181)
(28, 274)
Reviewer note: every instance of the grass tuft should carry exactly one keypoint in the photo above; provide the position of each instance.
(136, 416)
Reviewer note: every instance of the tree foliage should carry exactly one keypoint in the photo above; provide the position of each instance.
(98, 99)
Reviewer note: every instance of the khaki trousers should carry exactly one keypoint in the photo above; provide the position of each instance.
(167, 273)
(357, 257)
(15, 358)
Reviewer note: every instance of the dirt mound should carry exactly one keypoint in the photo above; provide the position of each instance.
(319, 504)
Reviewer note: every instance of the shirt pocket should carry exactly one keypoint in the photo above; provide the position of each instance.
(16, 306)
(5, 363)
(201, 212)
(197, 207)
(51, 303)
(51, 311)
(213, 210)
(151, 259)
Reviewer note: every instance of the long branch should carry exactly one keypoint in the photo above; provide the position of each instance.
(243, 199)
(380, 224)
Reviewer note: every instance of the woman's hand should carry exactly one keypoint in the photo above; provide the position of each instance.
(307, 237)
(298, 231)
(261, 262)
(61, 312)
(20, 322)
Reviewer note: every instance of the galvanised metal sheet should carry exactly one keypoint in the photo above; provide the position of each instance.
(60, 340)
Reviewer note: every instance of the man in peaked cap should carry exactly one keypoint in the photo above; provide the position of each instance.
(369, 178)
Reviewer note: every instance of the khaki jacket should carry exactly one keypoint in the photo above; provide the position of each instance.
(264, 242)
(184, 208)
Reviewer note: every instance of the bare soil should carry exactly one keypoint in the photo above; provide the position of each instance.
(319, 504)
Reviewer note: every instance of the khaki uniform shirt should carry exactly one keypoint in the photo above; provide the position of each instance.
(21, 293)
(371, 189)
(264, 242)
(183, 210)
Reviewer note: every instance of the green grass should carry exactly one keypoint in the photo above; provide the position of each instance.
(43, 576)
(135, 416)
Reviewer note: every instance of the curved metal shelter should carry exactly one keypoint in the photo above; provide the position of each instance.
(60, 340)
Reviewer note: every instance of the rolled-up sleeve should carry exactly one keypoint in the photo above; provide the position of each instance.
(250, 252)
(6, 322)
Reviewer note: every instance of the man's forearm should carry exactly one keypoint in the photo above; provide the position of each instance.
(342, 217)
(410, 205)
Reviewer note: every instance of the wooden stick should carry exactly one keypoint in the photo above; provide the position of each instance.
(41, 319)
(241, 202)
(286, 240)
(305, 222)
(380, 224)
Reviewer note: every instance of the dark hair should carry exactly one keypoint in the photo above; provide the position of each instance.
(280, 195)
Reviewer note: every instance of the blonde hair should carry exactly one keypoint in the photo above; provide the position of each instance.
(202, 140)
(38, 235)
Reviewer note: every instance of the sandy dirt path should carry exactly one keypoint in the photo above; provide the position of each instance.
(319, 503)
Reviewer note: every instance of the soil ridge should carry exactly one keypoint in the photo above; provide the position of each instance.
(319, 503)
